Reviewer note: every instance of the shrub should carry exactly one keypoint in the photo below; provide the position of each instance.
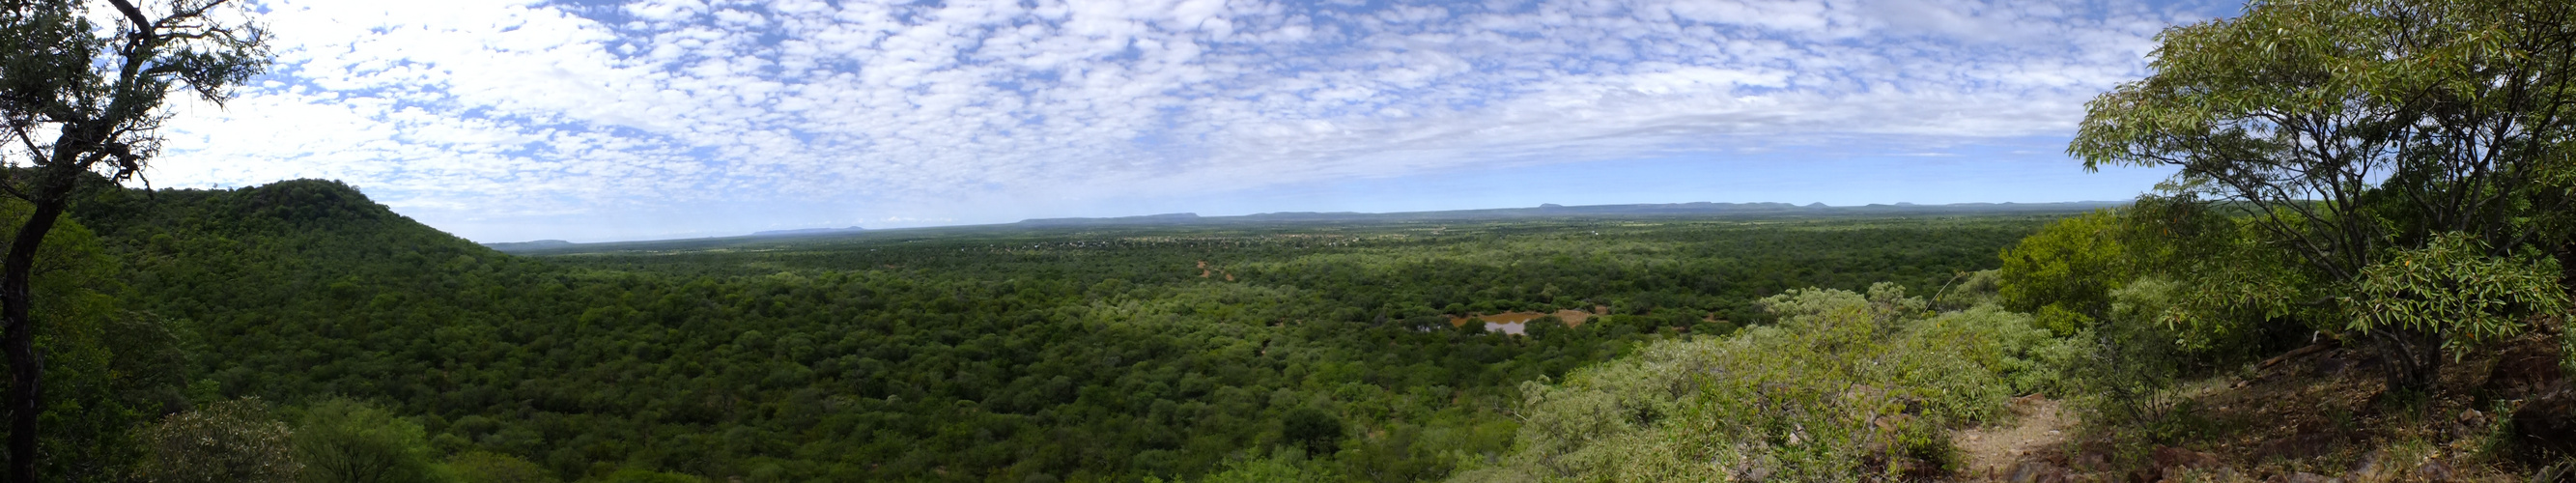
(489, 467)
(2071, 265)
(1843, 384)
(1312, 429)
(2424, 305)
(224, 442)
(342, 440)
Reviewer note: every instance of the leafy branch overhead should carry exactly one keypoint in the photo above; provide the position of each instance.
(80, 99)
(2450, 287)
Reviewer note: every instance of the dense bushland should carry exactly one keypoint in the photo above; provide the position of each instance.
(968, 354)
(1847, 385)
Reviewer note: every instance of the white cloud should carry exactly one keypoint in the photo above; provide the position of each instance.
(894, 108)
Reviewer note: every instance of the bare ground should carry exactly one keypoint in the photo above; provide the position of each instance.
(1993, 452)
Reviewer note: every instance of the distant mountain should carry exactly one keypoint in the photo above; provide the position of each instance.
(528, 245)
(1162, 219)
(808, 232)
(1553, 210)
(1547, 211)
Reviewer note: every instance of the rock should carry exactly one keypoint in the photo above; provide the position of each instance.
(2302, 477)
(2436, 471)
(2367, 468)
(2093, 461)
(2523, 368)
(2178, 464)
(2547, 424)
(2174, 457)
(2304, 446)
(2036, 472)
(1753, 473)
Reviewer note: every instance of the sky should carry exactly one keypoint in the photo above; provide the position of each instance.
(502, 120)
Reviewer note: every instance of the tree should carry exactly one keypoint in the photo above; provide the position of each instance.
(488, 467)
(345, 441)
(82, 99)
(1311, 429)
(2352, 131)
(2066, 272)
(638, 475)
(229, 441)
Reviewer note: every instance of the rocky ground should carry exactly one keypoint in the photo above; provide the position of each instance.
(2318, 414)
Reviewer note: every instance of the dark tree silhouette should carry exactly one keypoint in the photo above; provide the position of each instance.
(82, 99)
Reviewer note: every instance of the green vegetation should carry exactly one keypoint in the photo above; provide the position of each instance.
(1876, 383)
(2364, 186)
(2345, 135)
(1074, 354)
(226, 441)
(82, 93)
(2381, 185)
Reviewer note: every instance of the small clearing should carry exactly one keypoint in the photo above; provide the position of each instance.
(1515, 322)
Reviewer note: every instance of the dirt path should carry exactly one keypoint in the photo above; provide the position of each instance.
(1993, 451)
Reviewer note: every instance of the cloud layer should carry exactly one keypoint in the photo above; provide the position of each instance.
(473, 113)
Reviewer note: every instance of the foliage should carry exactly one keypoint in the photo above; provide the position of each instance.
(1312, 430)
(346, 441)
(108, 369)
(2120, 368)
(638, 475)
(2451, 289)
(2349, 132)
(489, 467)
(1877, 382)
(2240, 296)
(1290, 466)
(1081, 354)
(224, 442)
(2451, 294)
(82, 94)
(2066, 272)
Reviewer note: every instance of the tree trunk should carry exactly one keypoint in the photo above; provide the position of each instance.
(18, 337)
(2412, 361)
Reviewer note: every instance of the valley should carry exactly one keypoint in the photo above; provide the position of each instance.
(970, 354)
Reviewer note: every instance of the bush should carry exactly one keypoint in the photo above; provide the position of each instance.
(1285, 466)
(342, 440)
(488, 467)
(639, 475)
(1843, 384)
(1312, 429)
(2122, 365)
(2441, 301)
(2071, 265)
(224, 442)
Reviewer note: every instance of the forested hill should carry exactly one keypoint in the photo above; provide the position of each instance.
(303, 246)
(1081, 355)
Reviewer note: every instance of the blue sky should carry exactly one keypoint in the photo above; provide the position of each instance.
(603, 120)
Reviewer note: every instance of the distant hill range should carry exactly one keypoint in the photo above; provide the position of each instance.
(1545, 211)
(807, 232)
(528, 245)
(1591, 211)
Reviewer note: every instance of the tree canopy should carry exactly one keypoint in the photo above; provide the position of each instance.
(78, 99)
(2353, 132)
